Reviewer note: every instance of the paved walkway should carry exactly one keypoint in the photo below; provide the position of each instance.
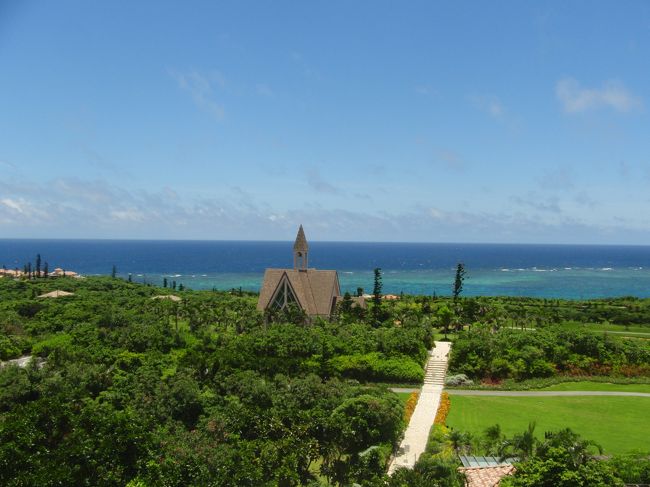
(417, 432)
(468, 392)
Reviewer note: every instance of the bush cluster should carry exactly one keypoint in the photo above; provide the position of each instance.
(482, 353)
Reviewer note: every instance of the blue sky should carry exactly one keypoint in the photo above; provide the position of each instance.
(397, 121)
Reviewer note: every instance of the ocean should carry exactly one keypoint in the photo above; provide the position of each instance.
(548, 271)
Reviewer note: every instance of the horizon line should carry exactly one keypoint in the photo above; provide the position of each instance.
(108, 239)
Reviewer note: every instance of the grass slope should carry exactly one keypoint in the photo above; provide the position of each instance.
(618, 424)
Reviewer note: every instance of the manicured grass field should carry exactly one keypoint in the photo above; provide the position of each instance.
(632, 330)
(403, 396)
(597, 386)
(618, 424)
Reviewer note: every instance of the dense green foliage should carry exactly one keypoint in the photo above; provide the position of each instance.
(507, 353)
(196, 392)
(204, 391)
(563, 459)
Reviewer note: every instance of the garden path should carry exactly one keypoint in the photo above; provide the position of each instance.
(417, 432)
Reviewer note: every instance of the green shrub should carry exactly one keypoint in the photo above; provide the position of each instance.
(376, 367)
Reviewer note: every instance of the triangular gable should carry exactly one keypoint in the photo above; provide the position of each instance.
(284, 291)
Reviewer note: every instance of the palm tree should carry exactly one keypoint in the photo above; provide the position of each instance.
(522, 446)
(494, 437)
(459, 440)
(577, 447)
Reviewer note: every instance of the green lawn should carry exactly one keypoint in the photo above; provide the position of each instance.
(403, 396)
(632, 331)
(618, 424)
(597, 386)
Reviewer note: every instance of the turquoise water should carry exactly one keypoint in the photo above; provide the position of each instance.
(559, 283)
(550, 271)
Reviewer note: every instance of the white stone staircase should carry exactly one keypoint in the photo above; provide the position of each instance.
(417, 431)
(435, 371)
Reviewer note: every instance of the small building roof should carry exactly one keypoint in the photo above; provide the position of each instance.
(171, 297)
(486, 476)
(356, 301)
(56, 294)
(300, 245)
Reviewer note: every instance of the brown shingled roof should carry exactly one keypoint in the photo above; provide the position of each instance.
(314, 289)
(300, 244)
(356, 301)
(486, 476)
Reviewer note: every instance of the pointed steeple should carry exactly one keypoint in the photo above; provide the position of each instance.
(300, 250)
(300, 244)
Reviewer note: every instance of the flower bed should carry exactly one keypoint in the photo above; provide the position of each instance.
(443, 409)
(410, 406)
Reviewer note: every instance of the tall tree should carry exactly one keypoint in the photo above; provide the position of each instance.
(114, 272)
(376, 290)
(458, 281)
(458, 288)
(38, 265)
(376, 297)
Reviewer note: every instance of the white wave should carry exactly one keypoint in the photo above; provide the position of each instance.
(606, 269)
(505, 270)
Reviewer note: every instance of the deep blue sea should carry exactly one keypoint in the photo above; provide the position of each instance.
(551, 271)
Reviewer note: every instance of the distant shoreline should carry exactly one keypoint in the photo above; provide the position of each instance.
(346, 242)
(542, 271)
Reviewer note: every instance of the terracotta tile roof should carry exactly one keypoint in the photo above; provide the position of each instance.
(300, 244)
(485, 476)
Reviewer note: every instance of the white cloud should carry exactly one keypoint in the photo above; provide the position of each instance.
(450, 160)
(612, 94)
(7, 164)
(201, 88)
(128, 215)
(12, 205)
(316, 182)
(490, 104)
(56, 209)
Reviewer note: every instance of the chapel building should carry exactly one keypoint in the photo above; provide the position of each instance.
(315, 291)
